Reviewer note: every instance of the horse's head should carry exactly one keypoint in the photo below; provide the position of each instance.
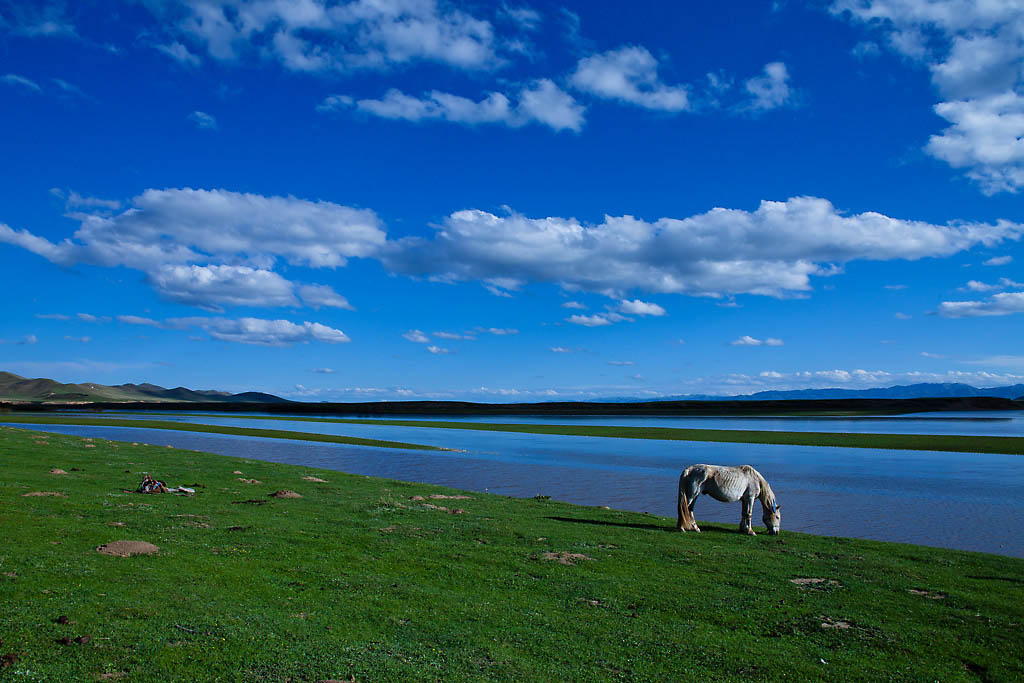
(772, 518)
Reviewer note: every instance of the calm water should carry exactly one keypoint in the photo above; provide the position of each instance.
(938, 499)
(981, 423)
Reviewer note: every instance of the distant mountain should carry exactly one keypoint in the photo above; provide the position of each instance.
(923, 390)
(17, 388)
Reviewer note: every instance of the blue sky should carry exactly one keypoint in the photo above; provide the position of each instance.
(400, 199)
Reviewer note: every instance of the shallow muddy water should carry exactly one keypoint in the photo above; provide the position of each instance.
(956, 500)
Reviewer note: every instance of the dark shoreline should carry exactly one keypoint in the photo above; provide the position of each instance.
(801, 407)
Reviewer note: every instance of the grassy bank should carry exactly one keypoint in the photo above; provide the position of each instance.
(211, 429)
(358, 578)
(1009, 445)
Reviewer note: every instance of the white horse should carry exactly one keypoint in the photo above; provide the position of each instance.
(727, 484)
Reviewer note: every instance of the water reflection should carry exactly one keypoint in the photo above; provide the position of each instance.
(887, 495)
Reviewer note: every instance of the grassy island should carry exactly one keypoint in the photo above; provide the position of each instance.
(370, 579)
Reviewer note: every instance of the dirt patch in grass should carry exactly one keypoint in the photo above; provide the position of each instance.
(33, 494)
(250, 481)
(57, 470)
(285, 493)
(441, 508)
(317, 479)
(829, 623)
(931, 595)
(565, 558)
(127, 548)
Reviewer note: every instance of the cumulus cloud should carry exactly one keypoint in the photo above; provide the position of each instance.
(998, 261)
(1004, 283)
(1004, 303)
(316, 296)
(417, 336)
(261, 332)
(747, 340)
(203, 120)
(208, 287)
(437, 349)
(574, 304)
(318, 35)
(215, 247)
(976, 56)
(454, 335)
(589, 320)
(628, 74)
(770, 90)
(641, 308)
(540, 102)
(771, 251)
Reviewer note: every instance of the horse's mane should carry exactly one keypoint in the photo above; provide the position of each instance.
(766, 490)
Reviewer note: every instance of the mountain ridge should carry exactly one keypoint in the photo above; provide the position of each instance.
(15, 388)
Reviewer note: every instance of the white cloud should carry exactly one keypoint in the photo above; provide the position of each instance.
(499, 331)
(540, 102)
(53, 316)
(178, 52)
(323, 371)
(771, 251)
(416, 336)
(771, 90)
(589, 320)
(936, 356)
(30, 339)
(316, 296)
(137, 320)
(574, 304)
(317, 35)
(21, 81)
(998, 261)
(1004, 283)
(641, 308)
(1004, 303)
(208, 287)
(261, 332)
(562, 349)
(895, 287)
(90, 318)
(901, 316)
(628, 74)
(975, 53)
(453, 335)
(203, 120)
(437, 350)
(747, 340)
(83, 340)
(214, 247)
(621, 362)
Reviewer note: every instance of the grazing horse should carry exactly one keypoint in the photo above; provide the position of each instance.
(727, 484)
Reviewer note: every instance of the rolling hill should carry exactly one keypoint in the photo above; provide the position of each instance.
(15, 388)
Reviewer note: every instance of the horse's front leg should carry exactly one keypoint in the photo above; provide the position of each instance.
(746, 515)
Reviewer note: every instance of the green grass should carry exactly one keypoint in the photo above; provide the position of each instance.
(1010, 445)
(357, 579)
(212, 429)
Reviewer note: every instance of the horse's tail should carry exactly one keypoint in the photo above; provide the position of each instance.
(685, 522)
